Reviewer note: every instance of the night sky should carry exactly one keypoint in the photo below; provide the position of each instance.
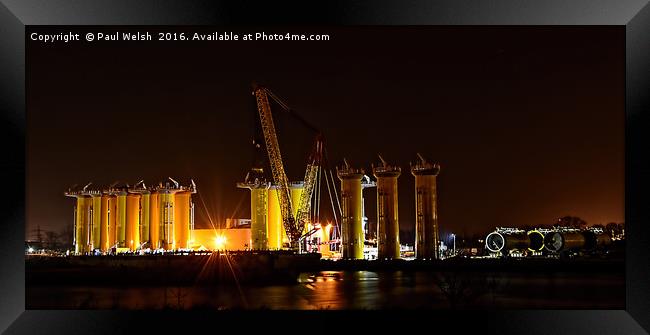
(527, 123)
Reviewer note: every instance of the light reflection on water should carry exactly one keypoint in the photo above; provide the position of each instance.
(357, 290)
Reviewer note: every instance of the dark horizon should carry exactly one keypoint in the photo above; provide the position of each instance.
(526, 123)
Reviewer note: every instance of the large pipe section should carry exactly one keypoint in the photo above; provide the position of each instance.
(535, 240)
(388, 246)
(559, 241)
(501, 242)
(426, 225)
(352, 238)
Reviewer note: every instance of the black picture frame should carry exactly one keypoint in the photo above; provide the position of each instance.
(15, 15)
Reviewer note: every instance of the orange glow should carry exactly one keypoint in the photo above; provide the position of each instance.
(220, 242)
(228, 239)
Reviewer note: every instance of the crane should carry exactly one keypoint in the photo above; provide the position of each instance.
(293, 226)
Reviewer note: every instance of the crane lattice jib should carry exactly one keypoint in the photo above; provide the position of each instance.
(275, 160)
(302, 216)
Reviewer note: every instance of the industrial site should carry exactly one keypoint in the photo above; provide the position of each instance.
(284, 215)
(145, 233)
(368, 171)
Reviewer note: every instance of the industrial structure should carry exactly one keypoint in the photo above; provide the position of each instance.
(284, 214)
(387, 210)
(537, 242)
(353, 181)
(267, 231)
(427, 241)
(132, 218)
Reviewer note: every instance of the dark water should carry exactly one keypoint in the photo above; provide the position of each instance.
(358, 290)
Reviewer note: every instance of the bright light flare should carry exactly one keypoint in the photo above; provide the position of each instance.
(220, 242)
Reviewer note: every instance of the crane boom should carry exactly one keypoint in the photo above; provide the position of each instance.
(302, 215)
(275, 160)
(294, 226)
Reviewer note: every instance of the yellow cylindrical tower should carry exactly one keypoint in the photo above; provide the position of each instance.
(81, 217)
(120, 218)
(96, 209)
(352, 238)
(104, 223)
(274, 219)
(154, 220)
(259, 217)
(426, 225)
(387, 211)
(182, 219)
(112, 221)
(145, 203)
(296, 191)
(88, 227)
(167, 220)
(132, 221)
(141, 233)
(261, 233)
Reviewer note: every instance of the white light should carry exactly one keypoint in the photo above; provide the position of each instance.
(220, 242)
(30, 249)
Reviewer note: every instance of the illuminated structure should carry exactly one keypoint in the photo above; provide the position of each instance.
(260, 228)
(124, 218)
(267, 231)
(571, 239)
(294, 210)
(104, 240)
(174, 210)
(504, 241)
(427, 242)
(141, 235)
(154, 220)
(95, 223)
(182, 219)
(352, 239)
(132, 221)
(387, 211)
(277, 234)
(120, 218)
(83, 219)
